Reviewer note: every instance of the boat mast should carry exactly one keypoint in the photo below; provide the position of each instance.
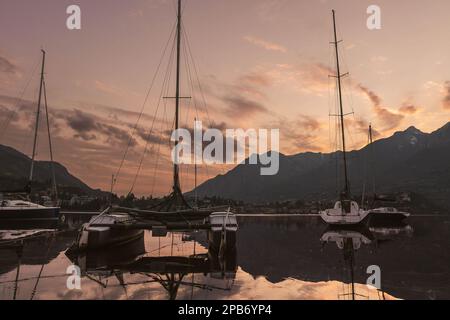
(195, 176)
(371, 158)
(176, 170)
(341, 115)
(52, 164)
(37, 122)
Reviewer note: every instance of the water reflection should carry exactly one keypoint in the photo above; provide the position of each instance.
(276, 258)
(349, 241)
(169, 271)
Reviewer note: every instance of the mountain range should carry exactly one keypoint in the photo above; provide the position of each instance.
(408, 161)
(15, 168)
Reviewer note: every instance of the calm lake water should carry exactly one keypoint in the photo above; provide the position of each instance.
(276, 258)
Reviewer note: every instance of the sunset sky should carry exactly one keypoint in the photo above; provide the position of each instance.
(261, 64)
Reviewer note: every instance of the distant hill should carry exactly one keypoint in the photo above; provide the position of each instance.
(408, 161)
(15, 168)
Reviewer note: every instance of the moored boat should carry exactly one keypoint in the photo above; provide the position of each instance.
(19, 210)
(106, 230)
(383, 214)
(15, 207)
(387, 215)
(345, 211)
(222, 234)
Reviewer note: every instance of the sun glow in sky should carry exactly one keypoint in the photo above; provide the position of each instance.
(260, 63)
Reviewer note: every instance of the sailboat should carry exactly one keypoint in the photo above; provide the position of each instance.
(345, 211)
(115, 224)
(383, 215)
(18, 207)
(175, 207)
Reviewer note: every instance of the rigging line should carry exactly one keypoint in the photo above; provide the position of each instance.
(142, 109)
(347, 95)
(150, 131)
(189, 73)
(171, 129)
(52, 164)
(192, 93)
(165, 83)
(331, 146)
(164, 119)
(337, 140)
(158, 152)
(20, 94)
(190, 76)
(342, 53)
(160, 142)
(196, 74)
(27, 143)
(201, 91)
(167, 89)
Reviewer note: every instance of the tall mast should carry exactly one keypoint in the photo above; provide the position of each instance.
(195, 178)
(52, 164)
(176, 177)
(372, 158)
(339, 76)
(37, 119)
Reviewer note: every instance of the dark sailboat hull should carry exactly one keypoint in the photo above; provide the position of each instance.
(27, 215)
(119, 247)
(98, 240)
(105, 239)
(386, 218)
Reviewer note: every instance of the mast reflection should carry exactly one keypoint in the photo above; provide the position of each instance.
(171, 271)
(351, 239)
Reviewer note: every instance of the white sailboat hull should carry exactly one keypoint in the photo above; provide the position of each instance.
(339, 216)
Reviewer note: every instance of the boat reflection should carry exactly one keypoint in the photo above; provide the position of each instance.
(289, 264)
(349, 241)
(170, 271)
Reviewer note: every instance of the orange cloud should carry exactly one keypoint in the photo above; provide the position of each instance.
(265, 44)
(390, 120)
(373, 97)
(300, 134)
(238, 105)
(310, 78)
(258, 79)
(408, 109)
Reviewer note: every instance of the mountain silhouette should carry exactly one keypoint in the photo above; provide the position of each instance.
(15, 168)
(408, 161)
